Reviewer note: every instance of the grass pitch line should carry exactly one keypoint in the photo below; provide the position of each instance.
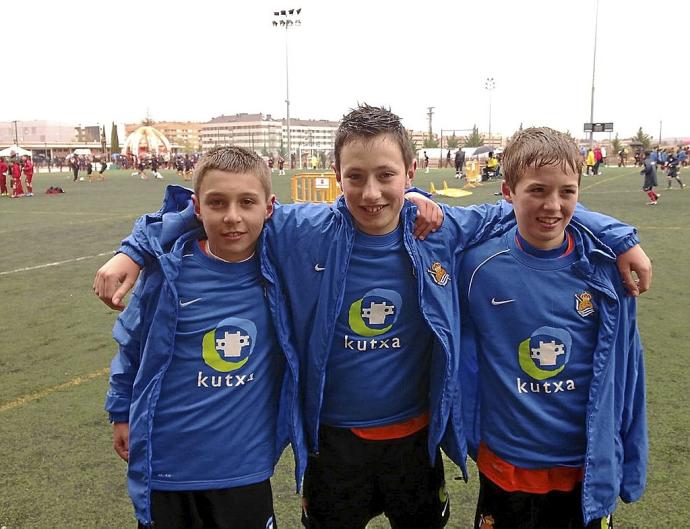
(603, 180)
(47, 391)
(56, 263)
(643, 227)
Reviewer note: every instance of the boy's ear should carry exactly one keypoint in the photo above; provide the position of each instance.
(269, 206)
(197, 208)
(505, 189)
(411, 171)
(337, 175)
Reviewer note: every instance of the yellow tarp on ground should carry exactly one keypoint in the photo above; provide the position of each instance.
(453, 192)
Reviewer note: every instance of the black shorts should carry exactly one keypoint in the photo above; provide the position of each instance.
(352, 480)
(497, 509)
(248, 507)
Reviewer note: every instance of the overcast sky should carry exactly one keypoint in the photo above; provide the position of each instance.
(99, 61)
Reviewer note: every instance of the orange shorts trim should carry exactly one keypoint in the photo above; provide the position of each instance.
(516, 479)
(393, 431)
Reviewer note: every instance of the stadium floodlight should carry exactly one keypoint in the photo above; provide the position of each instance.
(594, 69)
(286, 21)
(489, 85)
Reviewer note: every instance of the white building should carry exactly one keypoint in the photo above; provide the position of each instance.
(268, 136)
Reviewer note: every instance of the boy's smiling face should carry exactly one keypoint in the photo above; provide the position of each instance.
(233, 208)
(373, 178)
(544, 201)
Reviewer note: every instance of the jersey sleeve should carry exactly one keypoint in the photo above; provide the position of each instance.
(618, 236)
(471, 225)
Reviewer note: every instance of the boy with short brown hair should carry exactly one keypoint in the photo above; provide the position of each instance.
(552, 374)
(200, 390)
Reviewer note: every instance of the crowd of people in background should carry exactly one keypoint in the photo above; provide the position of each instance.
(88, 167)
(85, 163)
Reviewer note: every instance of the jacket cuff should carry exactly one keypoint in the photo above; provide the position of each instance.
(118, 417)
(134, 255)
(418, 190)
(627, 243)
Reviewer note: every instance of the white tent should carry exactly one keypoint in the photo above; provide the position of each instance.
(16, 150)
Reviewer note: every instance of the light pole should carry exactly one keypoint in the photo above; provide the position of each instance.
(594, 67)
(286, 18)
(489, 85)
(16, 136)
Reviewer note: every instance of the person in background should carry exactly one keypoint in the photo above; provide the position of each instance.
(74, 164)
(650, 181)
(597, 160)
(28, 170)
(3, 177)
(459, 163)
(16, 171)
(672, 170)
(590, 162)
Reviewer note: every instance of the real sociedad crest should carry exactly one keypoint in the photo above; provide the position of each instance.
(583, 304)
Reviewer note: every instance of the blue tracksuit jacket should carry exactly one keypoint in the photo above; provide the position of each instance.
(145, 333)
(615, 425)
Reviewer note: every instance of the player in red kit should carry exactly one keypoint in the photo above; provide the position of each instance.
(17, 189)
(28, 169)
(3, 177)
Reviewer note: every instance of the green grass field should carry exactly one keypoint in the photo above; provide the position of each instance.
(57, 468)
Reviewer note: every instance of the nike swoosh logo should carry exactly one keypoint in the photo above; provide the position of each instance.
(319, 268)
(502, 302)
(185, 303)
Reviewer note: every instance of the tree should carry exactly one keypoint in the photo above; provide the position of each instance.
(114, 140)
(474, 139)
(430, 143)
(616, 144)
(452, 142)
(570, 136)
(187, 147)
(644, 139)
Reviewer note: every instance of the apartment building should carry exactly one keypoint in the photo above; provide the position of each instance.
(268, 135)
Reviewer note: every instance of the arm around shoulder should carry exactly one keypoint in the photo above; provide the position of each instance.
(472, 225)
(623, 240)
(115, 279)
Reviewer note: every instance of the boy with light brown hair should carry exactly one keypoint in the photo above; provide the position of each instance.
(199, 354)
(553, 395)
